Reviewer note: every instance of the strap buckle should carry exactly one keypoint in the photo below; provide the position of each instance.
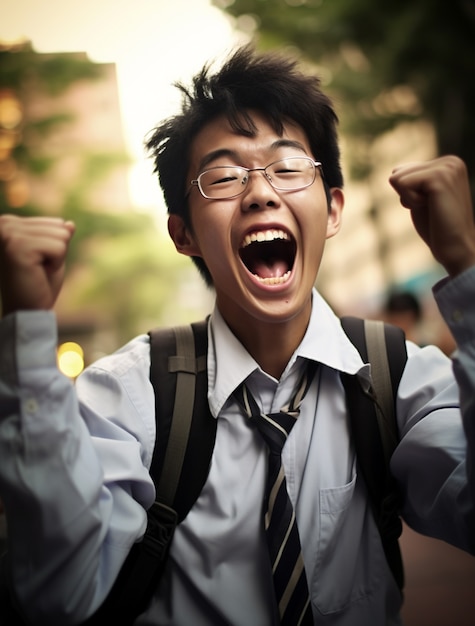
(162, 521)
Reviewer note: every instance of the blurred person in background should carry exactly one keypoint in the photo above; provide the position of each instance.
(251, 175)
(420, 321)
(403, 309)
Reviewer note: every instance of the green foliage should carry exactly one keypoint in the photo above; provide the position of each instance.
(60, 71)
(40, 165)
(366, 49)
(133, 270)
(27, 210)
(54, 73)
(97, 165)
(41, 128)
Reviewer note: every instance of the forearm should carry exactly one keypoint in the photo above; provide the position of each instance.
(456, 300)
(51, 481)
(437, 441)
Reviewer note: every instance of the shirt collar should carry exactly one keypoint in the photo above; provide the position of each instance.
(326, 342)
(229, 363)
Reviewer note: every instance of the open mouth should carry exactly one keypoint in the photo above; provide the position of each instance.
(269, 255)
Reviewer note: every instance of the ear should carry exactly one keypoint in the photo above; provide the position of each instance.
(335, 212)
(182, 236)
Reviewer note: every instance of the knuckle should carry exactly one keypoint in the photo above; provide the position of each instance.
(456, 163)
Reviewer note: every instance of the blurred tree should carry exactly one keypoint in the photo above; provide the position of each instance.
(385, 63)
(24, 137)
(23, 73)
(117, 264)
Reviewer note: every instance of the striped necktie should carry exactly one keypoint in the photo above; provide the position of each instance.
(290, 582)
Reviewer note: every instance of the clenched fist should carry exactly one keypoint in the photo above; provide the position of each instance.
(32, 261)
(437, 193)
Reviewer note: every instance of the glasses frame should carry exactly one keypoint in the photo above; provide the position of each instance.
(197, 181)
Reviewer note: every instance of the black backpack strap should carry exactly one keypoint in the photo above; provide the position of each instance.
(374, 426)
(10, 610)
(184, 442)
(186, 431)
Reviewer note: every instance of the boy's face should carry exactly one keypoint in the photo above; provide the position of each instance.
(270, 281)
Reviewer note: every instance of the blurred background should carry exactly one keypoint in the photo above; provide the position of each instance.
(82, 83)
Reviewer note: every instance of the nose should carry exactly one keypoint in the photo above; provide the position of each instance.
(259, 192)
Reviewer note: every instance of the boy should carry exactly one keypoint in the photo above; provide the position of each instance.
(251, 176)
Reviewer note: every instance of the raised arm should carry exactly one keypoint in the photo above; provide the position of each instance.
(74, 483)
(438, 195)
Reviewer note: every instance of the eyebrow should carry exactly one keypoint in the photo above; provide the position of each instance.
(217, 154)
(232, 154)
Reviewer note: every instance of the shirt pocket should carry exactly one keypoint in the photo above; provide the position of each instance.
(346, 567)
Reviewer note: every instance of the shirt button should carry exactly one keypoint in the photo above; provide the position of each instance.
(31, 406)
(457, 315)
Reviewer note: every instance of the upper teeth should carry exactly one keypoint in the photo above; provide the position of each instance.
(264, 235)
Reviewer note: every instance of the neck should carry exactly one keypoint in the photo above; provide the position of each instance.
(271, 344)
(273, 351)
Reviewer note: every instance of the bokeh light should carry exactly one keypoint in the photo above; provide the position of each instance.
(70, 359)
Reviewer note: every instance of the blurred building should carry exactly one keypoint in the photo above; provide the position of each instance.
(62, 149)
(378, 249)
(378, 246)
(62, 126)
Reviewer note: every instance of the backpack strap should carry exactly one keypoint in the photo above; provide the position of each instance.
(374, 427)
(183, 419)
(184, 425)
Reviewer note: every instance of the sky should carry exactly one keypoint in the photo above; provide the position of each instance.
(152, 42)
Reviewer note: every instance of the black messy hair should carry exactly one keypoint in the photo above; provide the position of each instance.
(269, 83)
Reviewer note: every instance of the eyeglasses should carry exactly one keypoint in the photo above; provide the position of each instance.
(228, 181)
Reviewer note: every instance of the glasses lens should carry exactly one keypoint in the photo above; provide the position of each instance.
(291, 173)
(223, 182)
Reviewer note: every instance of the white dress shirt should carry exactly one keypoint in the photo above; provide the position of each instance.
(74, 474)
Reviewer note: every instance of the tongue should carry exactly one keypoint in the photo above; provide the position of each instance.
(272, 268)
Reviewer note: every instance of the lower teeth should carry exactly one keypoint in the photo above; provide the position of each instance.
(274, 280)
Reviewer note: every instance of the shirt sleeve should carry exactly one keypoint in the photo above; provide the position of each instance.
(433, 462)
(75, 500)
